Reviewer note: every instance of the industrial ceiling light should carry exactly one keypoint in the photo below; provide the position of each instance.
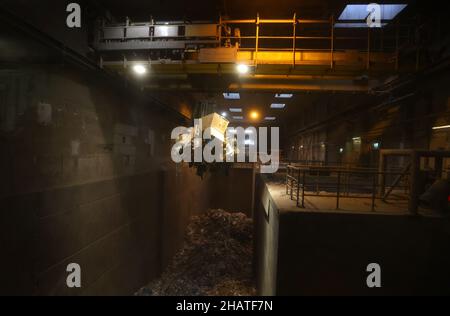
(254, 115)
(270, 118)
(232, 96)
(277, 106)
(235, 110)
(139, 69)
(441, 127)
(284, 95)
(238, 117)
(242, 69)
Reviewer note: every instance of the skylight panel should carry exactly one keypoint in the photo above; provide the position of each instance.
(354, 25)
(232, 96)
(284, 95)
(277, 106)
(359, 12)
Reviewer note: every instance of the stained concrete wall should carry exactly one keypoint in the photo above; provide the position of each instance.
(184, 194)
(266, 226)
(306, 252)
(328, 253)
(87, 175)
(234, 191)
(87, 178)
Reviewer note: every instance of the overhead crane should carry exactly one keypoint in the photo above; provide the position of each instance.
(175, 52)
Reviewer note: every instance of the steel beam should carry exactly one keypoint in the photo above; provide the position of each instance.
(317, 86)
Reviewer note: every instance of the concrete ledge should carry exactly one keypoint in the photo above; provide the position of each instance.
(326, 252)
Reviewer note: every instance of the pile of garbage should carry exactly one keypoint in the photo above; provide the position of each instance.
(216, 259)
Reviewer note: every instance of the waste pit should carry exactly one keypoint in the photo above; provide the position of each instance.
(215, 260)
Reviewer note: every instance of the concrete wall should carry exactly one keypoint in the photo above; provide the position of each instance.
(184, 194)
(327, 254)
(50, 16)
(310, 141)
(266, 223)
(306, 252)
(86, 172)
(87, 178)
(402, 119)
(234, 191)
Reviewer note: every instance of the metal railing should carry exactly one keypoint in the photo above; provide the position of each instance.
(259, 41)
(387, 39)
(343, 182)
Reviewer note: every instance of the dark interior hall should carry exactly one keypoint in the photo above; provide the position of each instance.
(344, 106)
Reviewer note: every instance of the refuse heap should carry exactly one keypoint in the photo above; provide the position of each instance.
(216, 259)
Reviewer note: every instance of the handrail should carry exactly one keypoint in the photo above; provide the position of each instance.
(276, 21)
(340, 186)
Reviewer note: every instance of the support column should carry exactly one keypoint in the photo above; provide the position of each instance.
(414, 190)
(382, 177)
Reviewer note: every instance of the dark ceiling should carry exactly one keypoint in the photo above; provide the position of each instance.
(261, 103)
(139, 10)
(210, 9)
